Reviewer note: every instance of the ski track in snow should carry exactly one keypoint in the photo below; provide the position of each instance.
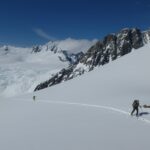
(89, 105)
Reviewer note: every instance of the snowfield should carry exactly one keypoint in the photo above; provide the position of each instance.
(90, 112)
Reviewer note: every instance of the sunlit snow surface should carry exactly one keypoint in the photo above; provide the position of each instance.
(90, 112)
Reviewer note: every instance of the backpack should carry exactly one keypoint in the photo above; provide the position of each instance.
(135, 103)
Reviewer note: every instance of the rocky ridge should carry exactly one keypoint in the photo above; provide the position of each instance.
(53, 47)
(109, 49)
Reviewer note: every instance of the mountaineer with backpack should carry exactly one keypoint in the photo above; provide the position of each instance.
(135, 106)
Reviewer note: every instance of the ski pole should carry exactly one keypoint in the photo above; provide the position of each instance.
(141, 109)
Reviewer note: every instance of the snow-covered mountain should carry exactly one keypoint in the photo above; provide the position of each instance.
(86, 113)
(22, 69)
(113, 46)
(27, 69)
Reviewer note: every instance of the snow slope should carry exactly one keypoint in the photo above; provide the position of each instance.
(89, 112)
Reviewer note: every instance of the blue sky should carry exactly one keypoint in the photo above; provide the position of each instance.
(30, 22)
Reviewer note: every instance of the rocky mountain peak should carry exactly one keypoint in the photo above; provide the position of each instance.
(110, 48)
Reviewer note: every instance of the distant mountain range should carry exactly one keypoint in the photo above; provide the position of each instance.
(22, 69)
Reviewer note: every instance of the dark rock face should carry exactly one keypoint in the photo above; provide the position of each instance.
(36, 49)
(128, 39)
(92, 56)
(146, 36)
(124, 42)
(137, 40)
(71, 57)
(63, 75)
(111, 47)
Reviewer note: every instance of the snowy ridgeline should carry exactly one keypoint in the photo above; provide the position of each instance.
(22, 69)
(112, 47)
(86, 113)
